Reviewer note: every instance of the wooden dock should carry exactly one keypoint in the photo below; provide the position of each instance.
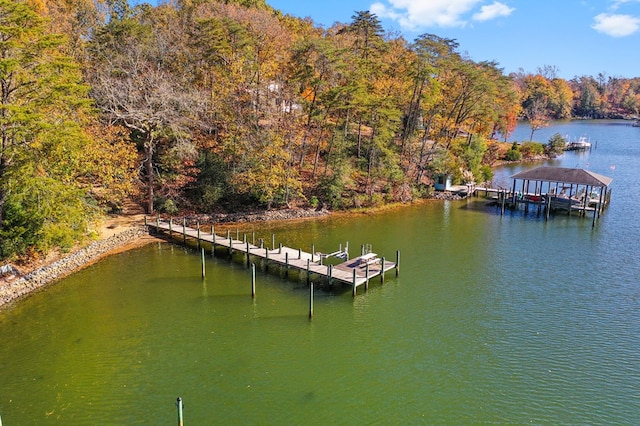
(354, 272)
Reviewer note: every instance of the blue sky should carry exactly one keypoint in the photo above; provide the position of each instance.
(578, 37)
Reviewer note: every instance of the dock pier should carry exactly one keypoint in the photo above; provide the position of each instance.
(354, 272)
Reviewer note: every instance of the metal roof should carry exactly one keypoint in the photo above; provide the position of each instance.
(563, 174)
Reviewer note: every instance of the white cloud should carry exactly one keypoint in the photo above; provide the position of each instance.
(616, 25)
(617, 3)
(493, 11)
(412, 14)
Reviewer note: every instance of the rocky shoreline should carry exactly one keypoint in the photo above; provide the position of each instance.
(14, 287)
(257, 216)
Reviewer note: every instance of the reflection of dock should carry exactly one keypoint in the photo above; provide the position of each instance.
(355, 272)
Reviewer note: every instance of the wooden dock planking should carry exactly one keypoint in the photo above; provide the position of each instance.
(353, 271)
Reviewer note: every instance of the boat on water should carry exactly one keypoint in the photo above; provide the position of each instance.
(581, 144)
(563, 202)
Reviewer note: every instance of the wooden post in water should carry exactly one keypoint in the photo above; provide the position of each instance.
(170, 227)
(280, 249)
(548, 209)
(330, 267)
(203, 267)
(366, 276)
(228, 234)
(397, 262)
(299, 254)
(248, 252)
(213, 234)
(184, 230)
(253, 237)
(310, 302)
(253, 280)
(354, 283)
(382, 271)
(308, 271)
(230, 246)
(286, 264)
(198, 227)
(313, 250)
(273, 241)
(180, 406)
(237, 234)
(266, 256)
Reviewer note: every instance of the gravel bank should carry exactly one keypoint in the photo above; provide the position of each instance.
(14, 287)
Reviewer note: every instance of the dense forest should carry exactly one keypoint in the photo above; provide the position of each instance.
(205, 105)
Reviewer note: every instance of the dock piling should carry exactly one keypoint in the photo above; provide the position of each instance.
(180, 406)
(354, 283)
(311, 301)
(382, 271)
(253, 280)
(397, 262)
(184, 233)
(366, 277)
(286, 264)
(203, 267)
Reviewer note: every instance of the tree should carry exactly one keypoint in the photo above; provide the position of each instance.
(137, 84)
(556, 145)
(43, 107)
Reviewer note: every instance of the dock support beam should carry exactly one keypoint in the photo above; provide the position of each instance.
(248, 253)
(397, 262)
(382, 271)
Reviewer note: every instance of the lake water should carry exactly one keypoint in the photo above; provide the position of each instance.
(493, 319)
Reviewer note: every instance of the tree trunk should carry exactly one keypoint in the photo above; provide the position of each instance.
(149, 148)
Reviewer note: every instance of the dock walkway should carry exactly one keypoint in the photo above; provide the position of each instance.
(354, 272)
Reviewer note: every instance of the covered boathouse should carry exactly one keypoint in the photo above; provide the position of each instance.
(560, 188)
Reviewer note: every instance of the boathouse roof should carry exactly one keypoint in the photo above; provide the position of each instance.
(563, 174)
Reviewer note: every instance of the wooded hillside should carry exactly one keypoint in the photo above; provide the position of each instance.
(205, 105)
